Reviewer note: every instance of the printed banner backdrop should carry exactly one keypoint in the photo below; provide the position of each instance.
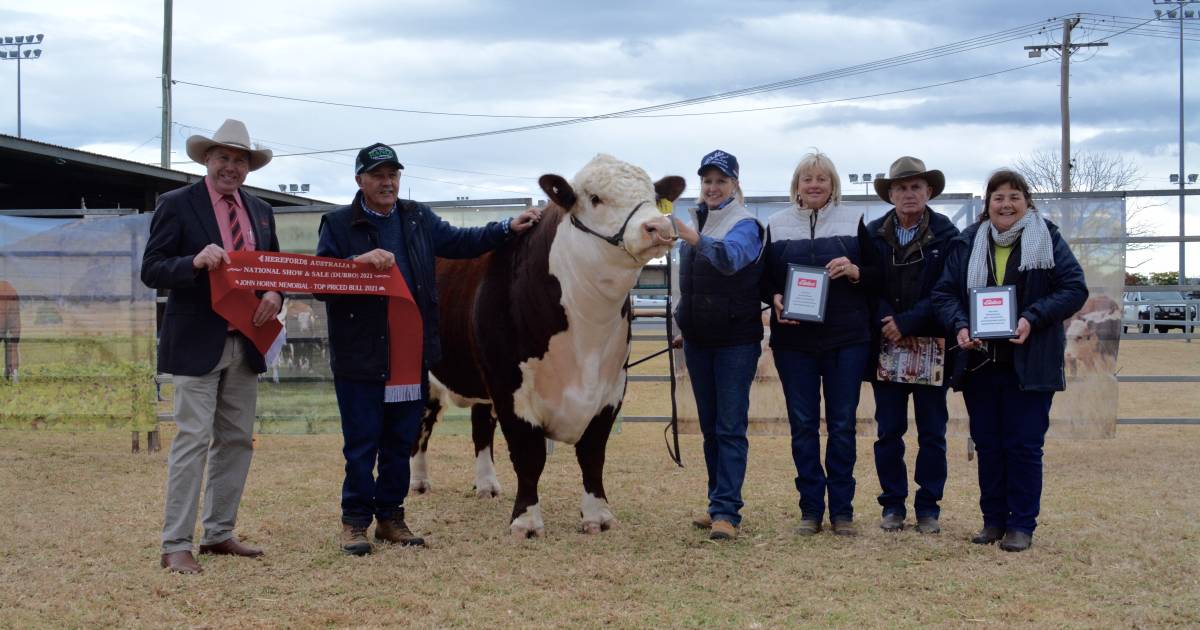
(77, 324)
(1087, 409)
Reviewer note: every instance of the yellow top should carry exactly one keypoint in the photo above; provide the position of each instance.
(1000, 253)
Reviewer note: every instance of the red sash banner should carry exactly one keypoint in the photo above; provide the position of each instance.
(233, 298)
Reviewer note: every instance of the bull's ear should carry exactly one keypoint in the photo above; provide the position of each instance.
(670, 187)
(558, 190)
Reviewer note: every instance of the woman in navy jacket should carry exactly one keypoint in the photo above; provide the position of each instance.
(1008, 385)
(830, 356)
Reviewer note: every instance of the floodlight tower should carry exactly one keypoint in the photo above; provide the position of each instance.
(11, 50)
(1180, 13)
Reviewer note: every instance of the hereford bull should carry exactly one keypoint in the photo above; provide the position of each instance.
(1093, 335)
(537, 333)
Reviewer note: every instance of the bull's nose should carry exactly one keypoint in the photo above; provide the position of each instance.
(656, 227)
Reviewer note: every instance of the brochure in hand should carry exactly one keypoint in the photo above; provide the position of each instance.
(922, 364)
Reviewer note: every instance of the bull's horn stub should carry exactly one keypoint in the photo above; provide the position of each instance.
(665, 206)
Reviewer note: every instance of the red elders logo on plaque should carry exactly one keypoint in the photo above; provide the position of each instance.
(995, 301)
(806, 283)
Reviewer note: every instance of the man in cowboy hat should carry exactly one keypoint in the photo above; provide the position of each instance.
(213, 366)
(909, 250)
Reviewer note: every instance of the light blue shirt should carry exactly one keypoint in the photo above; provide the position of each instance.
(904, 236)
(740, 247)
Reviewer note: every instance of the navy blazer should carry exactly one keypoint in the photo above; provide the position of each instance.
(192, 336)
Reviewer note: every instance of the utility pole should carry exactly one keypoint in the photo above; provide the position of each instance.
(1065, 48)
(165, 159)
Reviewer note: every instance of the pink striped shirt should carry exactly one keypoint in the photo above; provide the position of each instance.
(221, 209)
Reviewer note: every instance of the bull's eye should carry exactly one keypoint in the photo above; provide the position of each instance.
(595, 200)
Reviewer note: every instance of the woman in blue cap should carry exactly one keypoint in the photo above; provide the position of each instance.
(828, 356)
(718, 315)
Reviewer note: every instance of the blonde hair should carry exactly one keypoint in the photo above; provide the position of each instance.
(816, 161)
(737, 188)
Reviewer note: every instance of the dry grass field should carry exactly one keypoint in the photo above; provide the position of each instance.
(1118, 544)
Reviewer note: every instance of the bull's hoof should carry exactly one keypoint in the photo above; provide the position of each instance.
(487, 488)
(419, 487)
(595, 514)
(523, 534)
(592, 527)
(529, 524)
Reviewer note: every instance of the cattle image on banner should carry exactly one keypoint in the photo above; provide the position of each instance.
(537, 333)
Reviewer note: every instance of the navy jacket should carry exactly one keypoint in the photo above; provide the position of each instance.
(847, 310)
(358, 347)
(1045, 297)
(902, 279)
(192, 336)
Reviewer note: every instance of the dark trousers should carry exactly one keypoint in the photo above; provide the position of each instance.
(891, 418)
(374, 431)
(804, 376)
(721, 379)
(1009, 429)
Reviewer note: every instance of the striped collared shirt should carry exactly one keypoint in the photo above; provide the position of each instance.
(904, 235)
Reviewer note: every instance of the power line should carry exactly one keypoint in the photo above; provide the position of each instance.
(962, 46)
(795, 105)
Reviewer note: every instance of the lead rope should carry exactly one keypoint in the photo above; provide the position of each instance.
(673, 426)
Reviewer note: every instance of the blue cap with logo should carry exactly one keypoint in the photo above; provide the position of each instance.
(375, 155)
(725, 162)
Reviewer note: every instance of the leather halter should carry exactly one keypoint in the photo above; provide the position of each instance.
(617, 239)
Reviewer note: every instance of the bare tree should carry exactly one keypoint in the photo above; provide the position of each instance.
(1083, 218)
(1089, 171)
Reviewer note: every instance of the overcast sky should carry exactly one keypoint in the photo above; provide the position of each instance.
(97, 86)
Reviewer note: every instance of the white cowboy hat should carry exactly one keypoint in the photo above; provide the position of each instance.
(232, 134)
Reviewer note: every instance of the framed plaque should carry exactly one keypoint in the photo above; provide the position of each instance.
(994, 312)
(806, 293)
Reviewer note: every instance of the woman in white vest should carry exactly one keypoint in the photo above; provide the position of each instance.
(718, 315)
(820, 357)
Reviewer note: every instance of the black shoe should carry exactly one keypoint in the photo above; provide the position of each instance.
(891, 522)
(988, 535)
(928, 525)
(1016, 541)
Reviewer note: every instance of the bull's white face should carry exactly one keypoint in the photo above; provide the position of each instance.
(607, 190)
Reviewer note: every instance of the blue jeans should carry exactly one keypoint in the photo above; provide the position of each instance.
(374, 431)
(1009, 428)
(839, 374)
(721, 380)
(891, 417)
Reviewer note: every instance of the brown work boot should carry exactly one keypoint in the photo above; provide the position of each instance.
(844, 527)
(354, 540)
(704, 521)
(394, 530)
(808, 527)
(723, 530)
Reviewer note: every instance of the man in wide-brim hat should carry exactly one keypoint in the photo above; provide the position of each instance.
(213, 367)
(909, 247)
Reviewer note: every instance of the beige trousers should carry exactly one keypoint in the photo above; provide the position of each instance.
(215, 416)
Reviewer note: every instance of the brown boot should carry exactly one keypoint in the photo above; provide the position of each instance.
(394, 530)
(723, 530)
(704, 521)
(354, 540)
(180, 562)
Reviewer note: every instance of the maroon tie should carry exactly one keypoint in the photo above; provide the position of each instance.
(235, 226)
